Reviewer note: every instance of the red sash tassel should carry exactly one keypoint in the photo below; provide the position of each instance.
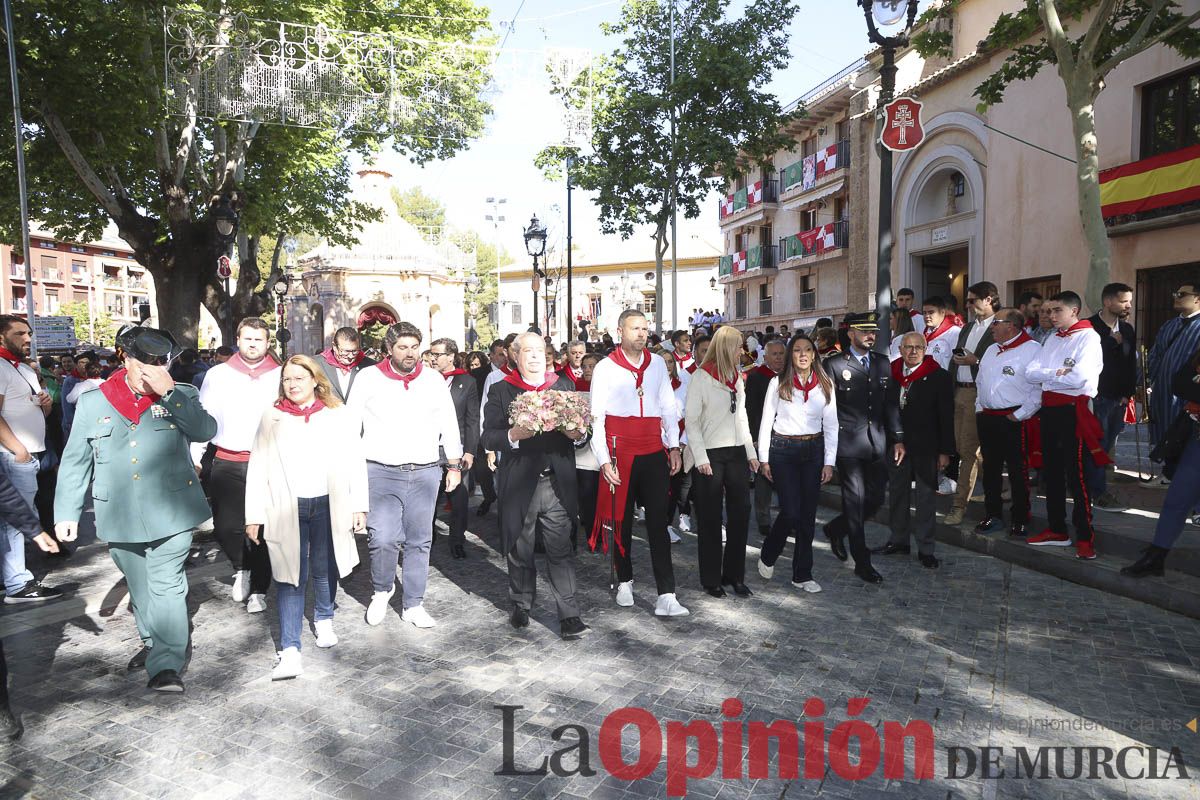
(1087, 427)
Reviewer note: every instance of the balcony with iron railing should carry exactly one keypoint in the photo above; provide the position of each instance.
(743, 202)
(808, 300)
(815, 243)
(816, 170)
(746, 263)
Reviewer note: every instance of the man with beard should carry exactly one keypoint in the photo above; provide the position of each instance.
(1118, 383)
(236, 394)
(343, 361)
(407, 415)
(536, 483)
(757, 381)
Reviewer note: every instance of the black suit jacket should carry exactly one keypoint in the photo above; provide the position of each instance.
(1119, 376)
(465, 394)
(926, 423)
(756, 397)
(331, 372)
(480, 375)
(521, 466)
(861, 404)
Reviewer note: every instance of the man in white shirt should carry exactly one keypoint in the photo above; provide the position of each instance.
(1068, 369)
(407, 414)
(633, 412)
(1005, 400)
(24, 406)
(236, 394)
(983, 299)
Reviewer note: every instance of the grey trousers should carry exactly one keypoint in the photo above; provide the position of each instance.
(764, 492)
(401, 518)
(904, 522)
(556, 527)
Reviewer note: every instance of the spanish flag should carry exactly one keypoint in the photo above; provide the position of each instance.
(1156, 182)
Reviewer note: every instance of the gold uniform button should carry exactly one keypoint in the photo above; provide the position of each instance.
(134, 461)
(133, 444)
(179, 405)
(172, 426)
(189, 483)
(133, 427)
(136, 477)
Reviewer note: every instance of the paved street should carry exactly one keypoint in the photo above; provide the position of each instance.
(980, 649)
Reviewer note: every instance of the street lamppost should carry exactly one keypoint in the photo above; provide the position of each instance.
(886, 14)
(225, 222)
(535, 245)
(469, 334)
(282, 334)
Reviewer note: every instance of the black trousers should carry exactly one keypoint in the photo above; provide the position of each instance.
(649, 481)
(1062, 461)
(227, 487)
(588, 482)
(457, 521)
(1002, 445)
(922, 469)
(681, 493)
(863, 482)
(728, 488)
(483, 476)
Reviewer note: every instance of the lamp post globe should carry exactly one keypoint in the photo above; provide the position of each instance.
(889, 12)
(535, 246)
(225, 220)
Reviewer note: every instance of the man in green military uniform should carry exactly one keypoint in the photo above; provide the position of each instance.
(130, 441)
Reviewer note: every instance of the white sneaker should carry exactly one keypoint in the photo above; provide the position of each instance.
(241, 586)
(257, 604)
(685, 523)
(379, 606)
(668, 606)
(323, 628)
(674, 534)
(418, 616)
(765, 571)
(812, 587)
(947, 486)
(625, 593)
(287, 665)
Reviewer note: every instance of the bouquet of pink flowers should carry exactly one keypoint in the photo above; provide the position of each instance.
(542, 412)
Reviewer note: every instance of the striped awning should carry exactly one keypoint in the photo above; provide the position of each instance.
(1156, 182)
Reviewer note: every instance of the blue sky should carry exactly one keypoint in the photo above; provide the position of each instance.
(825, 37)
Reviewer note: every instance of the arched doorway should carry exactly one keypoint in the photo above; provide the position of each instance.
(316, 328)
(373, 321)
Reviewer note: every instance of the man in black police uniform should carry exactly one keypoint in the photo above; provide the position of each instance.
(861, 378)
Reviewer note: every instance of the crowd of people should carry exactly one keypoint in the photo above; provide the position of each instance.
(690, 433)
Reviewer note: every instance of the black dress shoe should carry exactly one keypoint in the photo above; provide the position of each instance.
(166, 681)
(715, 591)
(740, 589)
(929, 562)
(10, 726)
(458, 551)
(519, 618)
(483, 507)
(1151, 563)
(892, 549)
(573, 628)
(868, 574)
(837, 544)
(1017, 531)
(989, 525)
(139, 659)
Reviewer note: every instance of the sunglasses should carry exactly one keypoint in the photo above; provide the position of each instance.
(1179, 295)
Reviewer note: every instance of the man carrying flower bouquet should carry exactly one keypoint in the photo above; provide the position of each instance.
(532, 418)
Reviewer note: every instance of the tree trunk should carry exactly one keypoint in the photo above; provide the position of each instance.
(660, 250)
(179, 289)
(1081, 101)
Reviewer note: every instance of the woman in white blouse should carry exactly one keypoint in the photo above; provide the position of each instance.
(722, 448)
(307, 483)
(797, 444)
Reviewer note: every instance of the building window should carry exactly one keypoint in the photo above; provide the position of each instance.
(808, 219)
(80, 297)
(51, 301)
(78, 268)
(594, 307)
(808, 146)
(739, 304)
(49, 271)
(78, 248)
(18, 298)
(516, 313)
(1171, 113)
(649, 304)
(764, 299)
(843, 132)
(841, 209)
(115, 304)
(47, 245)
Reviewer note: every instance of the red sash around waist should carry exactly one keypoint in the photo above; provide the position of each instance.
(627, 438)
(1087, 427)
(240, 456)
(999, 412)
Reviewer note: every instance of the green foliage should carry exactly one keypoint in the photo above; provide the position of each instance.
(106, 327)
(418, 208)
(726, 121)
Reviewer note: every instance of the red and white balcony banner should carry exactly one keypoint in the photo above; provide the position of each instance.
(726, 206)
(818, 240)
(739, 261)
(754, 194)
(827, 160)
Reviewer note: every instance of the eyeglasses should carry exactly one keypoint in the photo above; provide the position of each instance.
(1180, 294)
(912, 347)
(436, 354)
(346, 353)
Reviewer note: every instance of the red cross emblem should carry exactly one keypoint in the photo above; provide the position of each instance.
(902, 124)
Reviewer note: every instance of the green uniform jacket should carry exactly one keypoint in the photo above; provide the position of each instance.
(145, 487)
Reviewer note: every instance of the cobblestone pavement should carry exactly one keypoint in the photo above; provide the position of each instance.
(989, 654)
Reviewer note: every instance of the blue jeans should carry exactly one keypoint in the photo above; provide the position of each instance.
(796, 470)
(1182, 498)
(1111, 414)
(316, 557)
(12, 543)
(401, 518)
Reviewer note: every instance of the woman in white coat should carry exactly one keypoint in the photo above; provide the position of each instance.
(307, 484)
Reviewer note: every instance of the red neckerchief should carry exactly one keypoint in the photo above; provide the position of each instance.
(692, 367)
(255, 372)
(711, 369)
(813, 382)
(288, 407)
(1082, 324)
(515, 379)
(506, 369)
(946, 324)
(332, 360)
(10, 357)
(678, 360)
(639, 373)
(569, 374)
(675, 383)
(129, 405)
(449, 376)
(385, 366)
(763, 369)
(1020, 339)
(927, 366)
